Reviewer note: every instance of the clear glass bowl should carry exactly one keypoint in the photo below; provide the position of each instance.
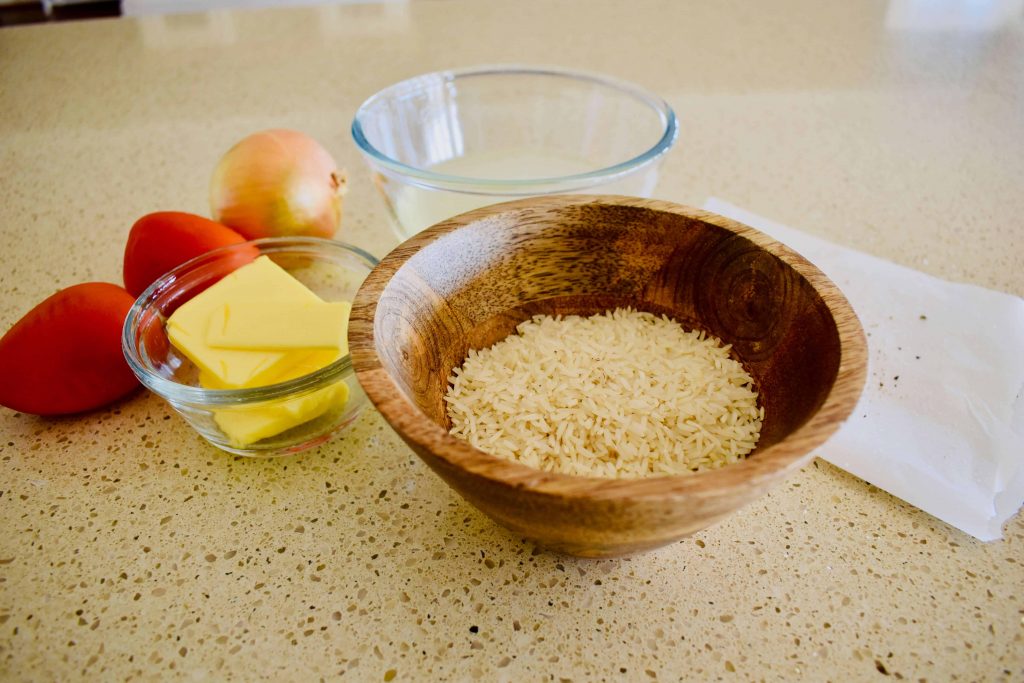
(447, 142)
(332, 270)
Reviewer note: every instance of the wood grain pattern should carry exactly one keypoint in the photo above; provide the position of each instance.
(465, 283)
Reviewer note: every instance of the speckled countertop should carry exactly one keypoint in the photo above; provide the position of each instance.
(132, 550)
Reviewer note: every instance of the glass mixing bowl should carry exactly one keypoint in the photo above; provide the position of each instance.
(450, 141)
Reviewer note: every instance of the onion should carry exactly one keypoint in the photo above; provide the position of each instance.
(278, 183)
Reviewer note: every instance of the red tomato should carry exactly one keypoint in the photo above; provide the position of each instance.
(65, 355)
(160, 241)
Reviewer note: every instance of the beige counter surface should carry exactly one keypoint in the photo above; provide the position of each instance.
(130, 549)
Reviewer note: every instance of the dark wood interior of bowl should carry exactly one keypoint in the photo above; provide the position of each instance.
(470, 287)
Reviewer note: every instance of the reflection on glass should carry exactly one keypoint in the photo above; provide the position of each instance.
(952, 15)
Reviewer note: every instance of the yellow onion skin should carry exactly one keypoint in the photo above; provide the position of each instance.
(277, 183)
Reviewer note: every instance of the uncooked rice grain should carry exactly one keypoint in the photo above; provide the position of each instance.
(618, 394)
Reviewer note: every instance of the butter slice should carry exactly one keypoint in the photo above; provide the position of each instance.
(244, 426)
(296, 364)
(261, 279)
(265, 282)
(279, 325)
(307, 362)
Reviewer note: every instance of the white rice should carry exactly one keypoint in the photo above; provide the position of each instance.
(619, 394)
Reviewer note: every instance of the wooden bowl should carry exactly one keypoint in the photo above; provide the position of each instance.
(467, 282)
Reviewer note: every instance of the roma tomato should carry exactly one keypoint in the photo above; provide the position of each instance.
(65, 355)
(160, 241)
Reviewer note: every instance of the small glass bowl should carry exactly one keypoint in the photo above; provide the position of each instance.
(446, 142)
(332, 270)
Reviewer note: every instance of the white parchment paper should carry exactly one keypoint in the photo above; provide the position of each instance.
(941, 421)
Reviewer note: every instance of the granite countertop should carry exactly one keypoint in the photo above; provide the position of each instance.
(132, 550)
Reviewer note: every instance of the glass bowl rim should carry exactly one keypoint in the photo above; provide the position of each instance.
(199, 396)
(512, 187)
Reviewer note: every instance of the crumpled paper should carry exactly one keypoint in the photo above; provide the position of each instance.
(941, 421)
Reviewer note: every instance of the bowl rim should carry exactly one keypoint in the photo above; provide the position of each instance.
(755, 473)
(183, 393)
(516, 187)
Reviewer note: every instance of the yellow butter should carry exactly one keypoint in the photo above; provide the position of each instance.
(245, 426)
(296, 364)
(227, 368)
(304, 362)
(279, 325)
(235, 368)
(265, 295)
